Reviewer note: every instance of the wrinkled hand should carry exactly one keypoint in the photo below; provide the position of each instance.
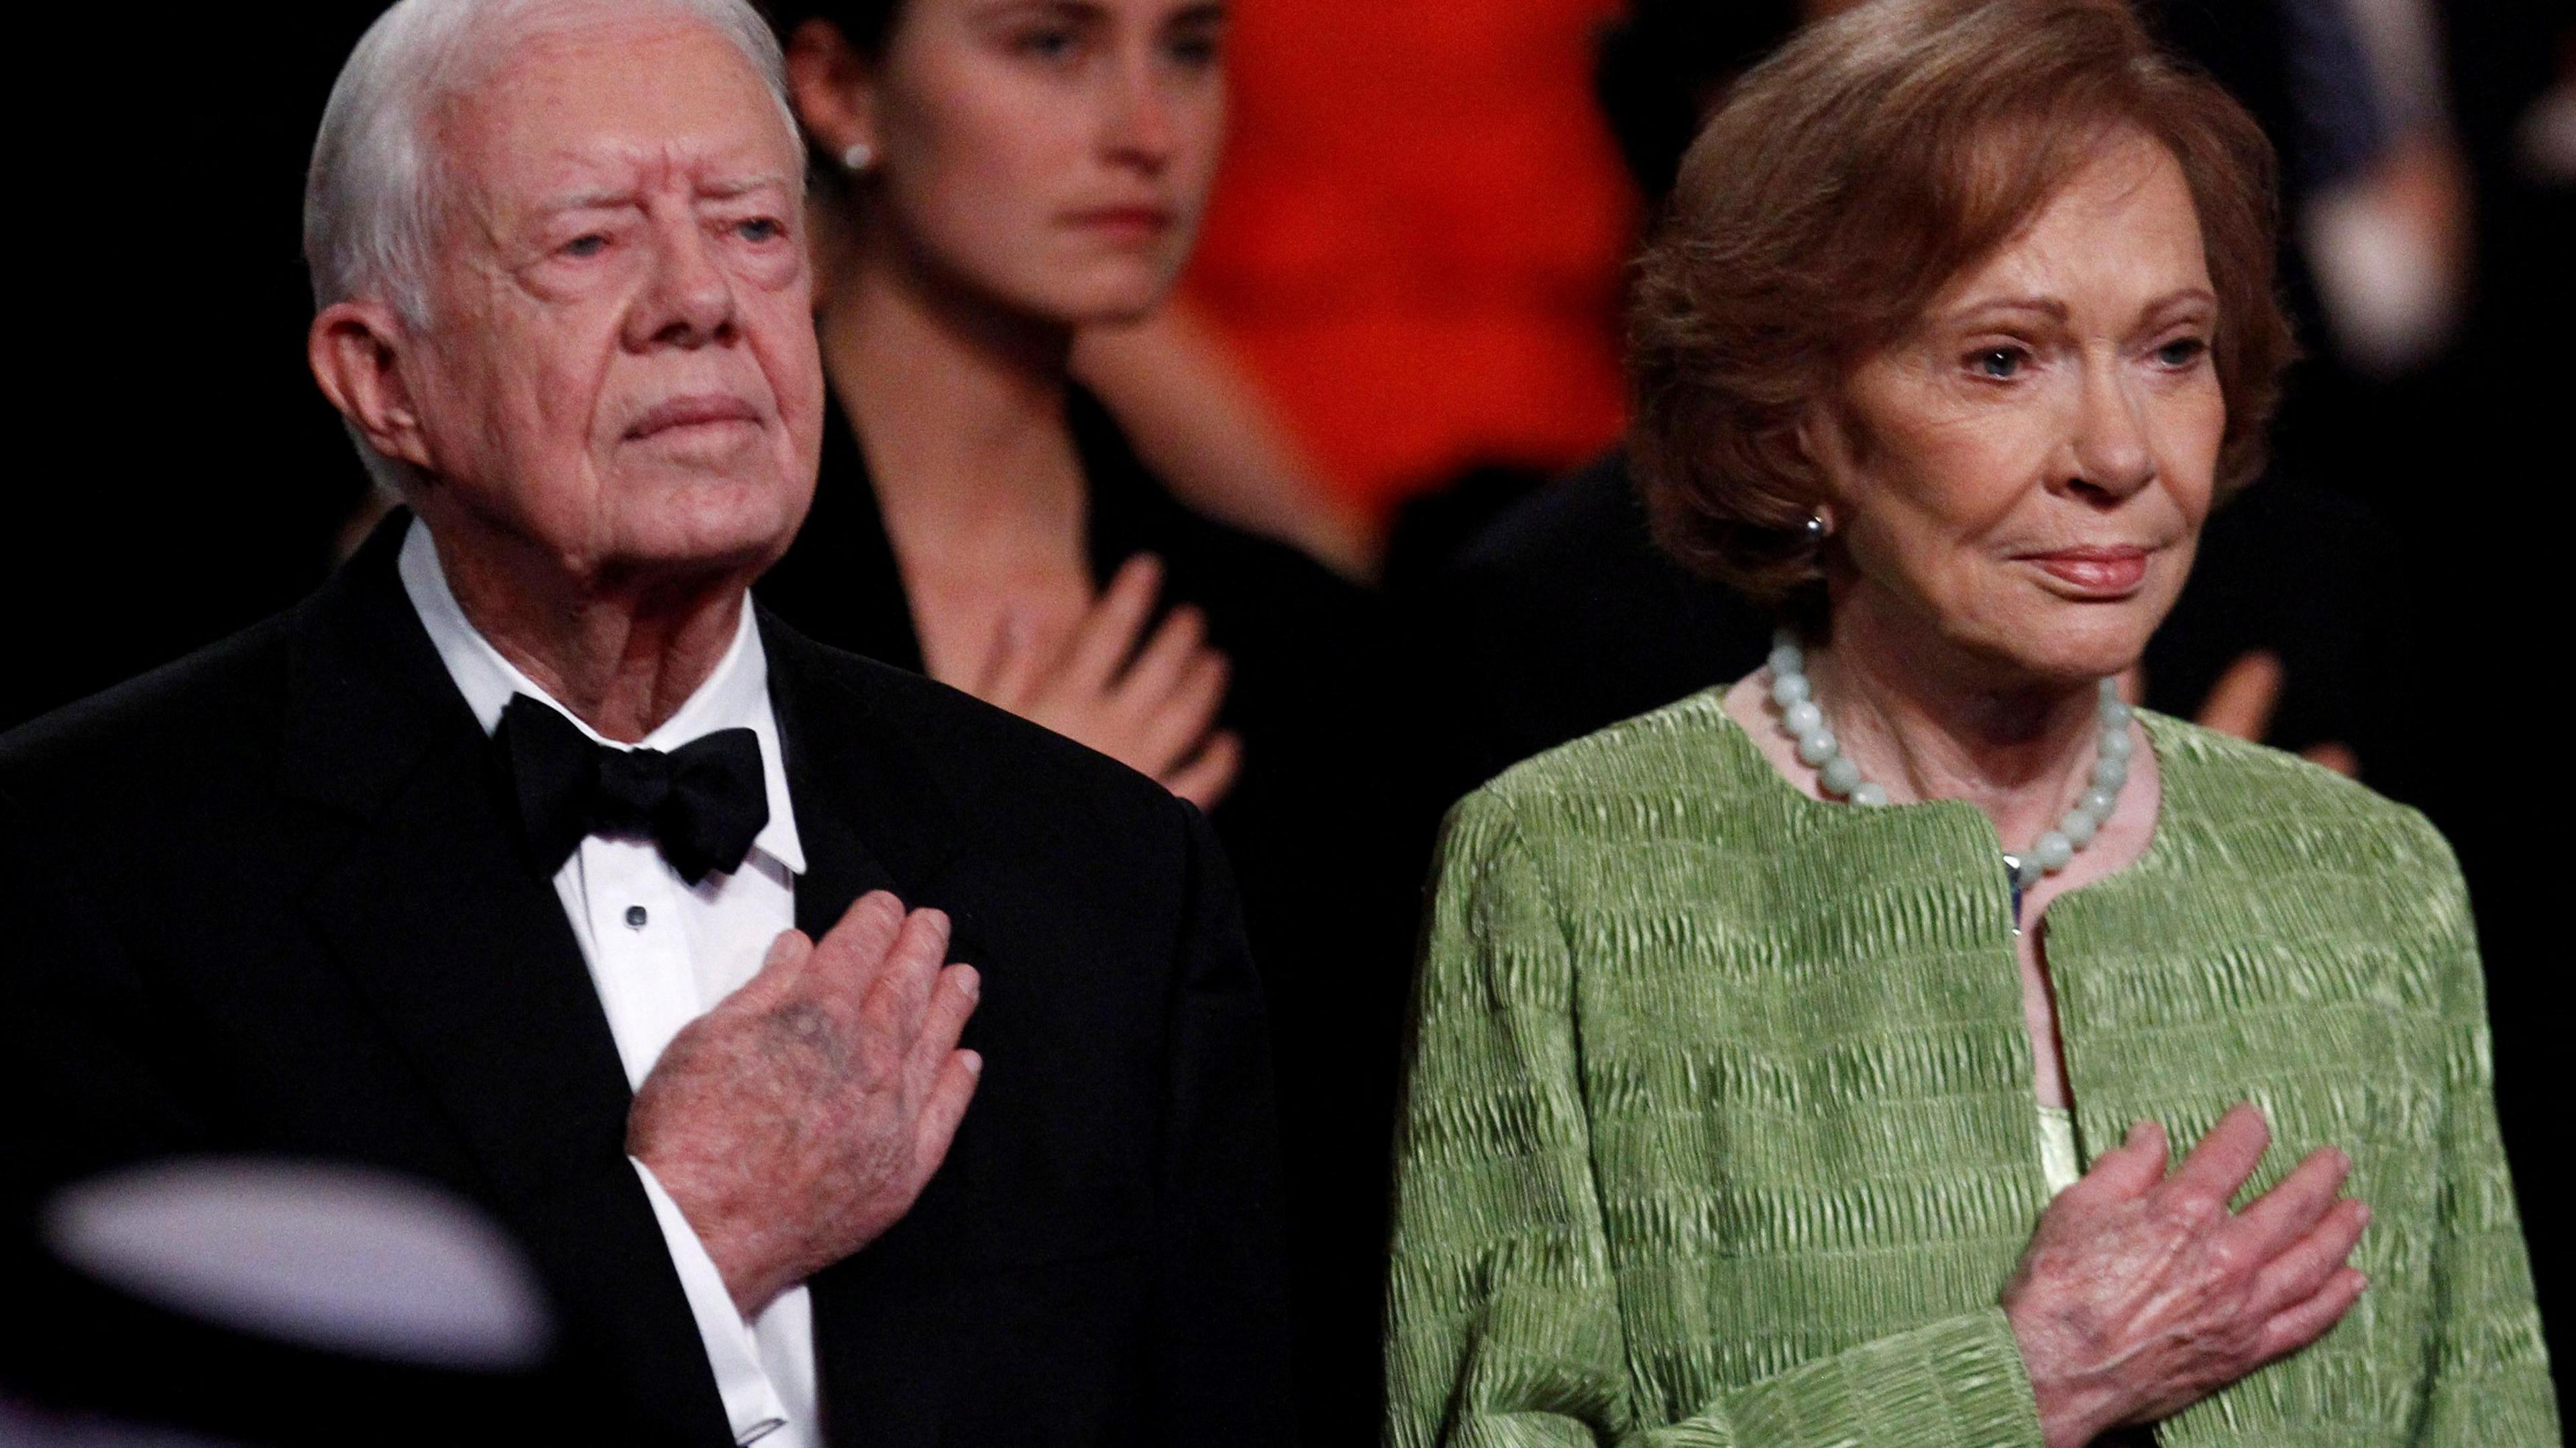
(2140, 1294)
(2241, 703)
(800, 1118)
(1151, 707)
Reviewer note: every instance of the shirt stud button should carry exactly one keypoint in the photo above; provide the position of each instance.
(635, 917)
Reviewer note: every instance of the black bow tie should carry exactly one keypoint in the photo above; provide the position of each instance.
(702, 803)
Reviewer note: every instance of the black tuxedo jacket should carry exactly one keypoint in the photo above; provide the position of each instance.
(271, 900)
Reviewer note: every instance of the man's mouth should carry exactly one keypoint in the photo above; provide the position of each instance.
(703, 410)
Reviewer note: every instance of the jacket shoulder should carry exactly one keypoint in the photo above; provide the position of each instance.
(2262, 795)
(188, 714)
(1687, 753)
(2205, 763)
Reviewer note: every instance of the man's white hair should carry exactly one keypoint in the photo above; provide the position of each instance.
(371, 195)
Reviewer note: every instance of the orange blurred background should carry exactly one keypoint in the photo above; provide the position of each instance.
(1417, 237)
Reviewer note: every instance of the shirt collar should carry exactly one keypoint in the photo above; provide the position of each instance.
(735, 696)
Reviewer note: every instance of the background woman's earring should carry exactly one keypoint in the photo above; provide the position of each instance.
(1816, 529)
(859, 157)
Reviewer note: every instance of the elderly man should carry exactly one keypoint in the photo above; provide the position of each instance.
(855, 1062)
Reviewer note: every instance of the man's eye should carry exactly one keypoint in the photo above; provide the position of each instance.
(1999, 362)
(761, 228)
(2181, 352)
(591, 245)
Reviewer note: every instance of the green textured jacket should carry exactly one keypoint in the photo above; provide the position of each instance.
(1720, 1124)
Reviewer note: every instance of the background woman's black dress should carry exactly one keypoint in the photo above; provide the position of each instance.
(1322, 827)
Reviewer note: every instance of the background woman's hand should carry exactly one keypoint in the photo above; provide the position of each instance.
(2141, 1294)
(2241, 703)
(1148, 702)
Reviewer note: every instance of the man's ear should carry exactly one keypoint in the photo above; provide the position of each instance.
(355, 349)
(833, 88)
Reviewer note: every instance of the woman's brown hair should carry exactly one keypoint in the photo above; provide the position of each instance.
(1850, 177)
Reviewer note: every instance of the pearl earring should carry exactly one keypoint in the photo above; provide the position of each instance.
(859, 157)
(1816, 528)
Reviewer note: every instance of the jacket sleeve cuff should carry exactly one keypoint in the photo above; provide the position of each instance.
(1969, 1371)
(751, 1402)
(1964, 1373)
(1958, 1382)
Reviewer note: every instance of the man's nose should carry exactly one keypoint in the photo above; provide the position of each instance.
(688, 300)
(2113, 453)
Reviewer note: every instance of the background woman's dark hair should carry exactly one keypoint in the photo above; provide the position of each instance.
(1850, 177)
(1658, 68)
(864, 23)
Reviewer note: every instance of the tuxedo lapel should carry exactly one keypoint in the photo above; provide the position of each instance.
(869, 811)
(470, 961)
(871, 816)
(438, 913)
(434, 906)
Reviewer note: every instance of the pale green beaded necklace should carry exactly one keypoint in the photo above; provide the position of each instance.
(1793, 698)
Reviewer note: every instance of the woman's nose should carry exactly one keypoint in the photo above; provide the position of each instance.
(1139, 124)
(2113, 453)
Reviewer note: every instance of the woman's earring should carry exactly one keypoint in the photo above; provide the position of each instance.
(859, 157)
(1816, 530)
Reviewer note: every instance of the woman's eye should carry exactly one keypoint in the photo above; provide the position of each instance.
(583, 246)
(1194, 51)
(1051, 43)
(1998, 362)
(761, 228)
(2181, 352)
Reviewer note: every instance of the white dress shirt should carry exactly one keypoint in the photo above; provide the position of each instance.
(661, 953)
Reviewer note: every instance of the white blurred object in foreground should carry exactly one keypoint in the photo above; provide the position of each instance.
(341, 1258)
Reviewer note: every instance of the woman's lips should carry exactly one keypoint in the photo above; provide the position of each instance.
(2095, 572)
(1134, 223)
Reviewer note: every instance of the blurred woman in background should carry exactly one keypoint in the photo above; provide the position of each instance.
(997, 178)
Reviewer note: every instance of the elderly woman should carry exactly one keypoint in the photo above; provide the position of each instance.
(1797, 1064)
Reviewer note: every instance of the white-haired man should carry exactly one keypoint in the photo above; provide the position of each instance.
(527, 857)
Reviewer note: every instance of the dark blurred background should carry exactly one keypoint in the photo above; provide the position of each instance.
(1424, 203)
